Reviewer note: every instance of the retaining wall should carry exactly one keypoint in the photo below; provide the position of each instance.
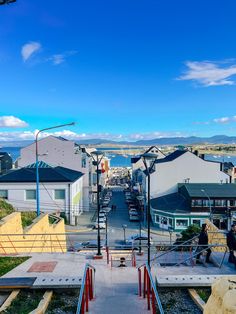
(40, 236)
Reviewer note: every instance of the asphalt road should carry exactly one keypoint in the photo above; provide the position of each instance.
(116, 219)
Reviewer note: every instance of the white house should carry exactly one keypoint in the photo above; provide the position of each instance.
(182, 166)
(60, 190)
(57, 151)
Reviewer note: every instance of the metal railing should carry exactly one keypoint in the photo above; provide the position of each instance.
(189, 248)
(87, 291)
(148, 289)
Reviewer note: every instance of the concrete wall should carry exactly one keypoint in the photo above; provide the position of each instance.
(223, 297)
(39, 237)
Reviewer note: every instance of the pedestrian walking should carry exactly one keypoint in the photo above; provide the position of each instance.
(203, 243)
(231, 243)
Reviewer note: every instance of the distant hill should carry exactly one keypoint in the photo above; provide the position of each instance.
(217, 139)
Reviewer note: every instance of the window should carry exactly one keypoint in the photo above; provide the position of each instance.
(83, 162)
(164, 220)
(59, 194)
(196, 203)
(181, 222)
(4, 194)
(196, 222)
(170, 221)
(220, 203)
(30, 194)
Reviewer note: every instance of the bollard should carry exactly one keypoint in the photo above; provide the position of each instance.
(91, 284)
(86, 292)
(153, 302)
(148, 292)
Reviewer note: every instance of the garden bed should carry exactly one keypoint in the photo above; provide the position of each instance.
(8, 263)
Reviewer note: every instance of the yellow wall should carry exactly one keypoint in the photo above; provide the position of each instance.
(223, 297)
(40, 236)
(215, 236)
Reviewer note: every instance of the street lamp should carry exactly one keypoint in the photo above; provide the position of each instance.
(6, 1)
(97, 158)
(203, 191)
(149, 160)
(37, 159)
(124, 227)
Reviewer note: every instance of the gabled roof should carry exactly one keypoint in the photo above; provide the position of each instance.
(172, 156)
(46, 174)
(212, 190)
(172, 203)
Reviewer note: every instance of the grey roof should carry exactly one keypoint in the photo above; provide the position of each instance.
(46, 174)
(214, 190)
(172, 203)
(172, 156)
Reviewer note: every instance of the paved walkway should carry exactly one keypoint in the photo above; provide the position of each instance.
(117, 292)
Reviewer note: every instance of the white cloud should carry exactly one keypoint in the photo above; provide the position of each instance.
(225, 120)
(57, 59)
(29, 49)
(208, 73)
(12, 122)
(30, 135)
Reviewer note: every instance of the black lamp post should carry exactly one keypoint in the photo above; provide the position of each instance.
(97, 158)
(149, 163)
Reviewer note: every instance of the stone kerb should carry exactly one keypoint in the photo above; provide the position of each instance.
(223, 297)
(38, 237)
(216, 236)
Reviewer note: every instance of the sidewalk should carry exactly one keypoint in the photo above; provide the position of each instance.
(85, 222)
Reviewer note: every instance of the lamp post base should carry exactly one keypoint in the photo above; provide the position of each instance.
(98, 256)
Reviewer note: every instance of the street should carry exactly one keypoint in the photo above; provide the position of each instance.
(116, 219)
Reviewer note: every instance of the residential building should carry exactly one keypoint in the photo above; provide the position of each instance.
(182, 166)
(179, 167)
(60, 190)
(5, 162)
(193, 203)
(57, 151)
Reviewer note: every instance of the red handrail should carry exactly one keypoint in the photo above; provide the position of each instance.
(149, 289)
(87, 289)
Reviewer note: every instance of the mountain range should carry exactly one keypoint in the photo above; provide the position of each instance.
(217, 139)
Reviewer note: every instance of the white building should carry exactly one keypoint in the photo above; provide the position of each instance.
(57, 151)
(60, 190)
(182, 166)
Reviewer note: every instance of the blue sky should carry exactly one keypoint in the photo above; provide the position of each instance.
(121, 69)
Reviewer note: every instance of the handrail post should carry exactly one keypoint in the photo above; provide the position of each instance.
(91, 284)
(153, 303)
(139, 282)
(107, 250)
(148, 292)
(82, 305)
(86, 292)
(144, 281)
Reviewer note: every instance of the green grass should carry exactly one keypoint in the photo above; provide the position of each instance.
(27, 218)
(8, 263)
(5, 208)
(204, 293)
(25, 302)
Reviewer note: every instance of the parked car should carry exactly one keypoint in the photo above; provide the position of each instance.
(137, 237)
(133, 217)
(102, 223)
(105, 209)
(76, 247)
(133, 211)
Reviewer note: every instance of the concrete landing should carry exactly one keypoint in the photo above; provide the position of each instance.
(189, 281)
(117, 292)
